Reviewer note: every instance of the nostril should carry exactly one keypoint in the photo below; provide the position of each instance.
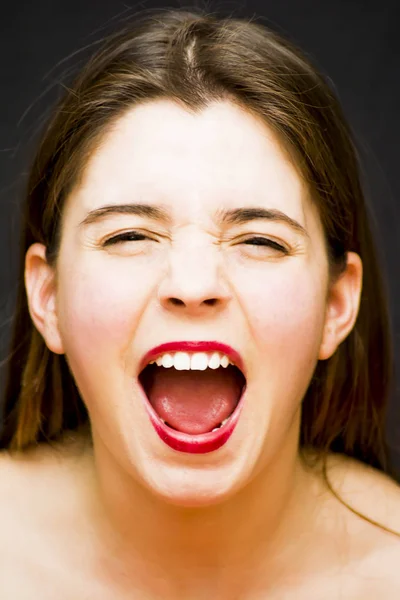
(176, 302)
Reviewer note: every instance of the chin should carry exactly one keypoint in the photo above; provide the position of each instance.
(193, 483)
(194, 489)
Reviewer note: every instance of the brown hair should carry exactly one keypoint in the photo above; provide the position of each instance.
(194, 58)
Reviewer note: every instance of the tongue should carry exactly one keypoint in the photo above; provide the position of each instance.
(194, 401)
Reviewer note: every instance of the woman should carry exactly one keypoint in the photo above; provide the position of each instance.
(201, 334)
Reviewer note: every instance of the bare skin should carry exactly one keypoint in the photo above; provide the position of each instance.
(51, 546)
(133, 519)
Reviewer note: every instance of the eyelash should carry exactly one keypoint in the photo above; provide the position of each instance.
(131, 236)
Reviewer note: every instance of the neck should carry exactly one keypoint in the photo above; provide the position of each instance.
(224, 545)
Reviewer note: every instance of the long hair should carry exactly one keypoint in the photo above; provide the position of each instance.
(195, 58)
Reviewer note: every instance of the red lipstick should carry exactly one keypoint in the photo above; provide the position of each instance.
(183, 442)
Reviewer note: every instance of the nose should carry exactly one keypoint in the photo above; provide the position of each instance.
(195, 282)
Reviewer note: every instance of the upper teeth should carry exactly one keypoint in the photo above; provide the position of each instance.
(198, 361)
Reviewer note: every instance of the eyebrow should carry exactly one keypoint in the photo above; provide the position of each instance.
(235, 216)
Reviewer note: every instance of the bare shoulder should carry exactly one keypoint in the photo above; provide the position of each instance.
(34, 480)
(43, 458)
(46, 546)
(376, 547)
(368, 490)
(359, 556)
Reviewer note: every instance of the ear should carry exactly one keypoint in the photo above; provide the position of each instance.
(342, 306)
(40, 284)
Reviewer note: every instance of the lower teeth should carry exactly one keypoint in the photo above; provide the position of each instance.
(215, 429)
(220, 425)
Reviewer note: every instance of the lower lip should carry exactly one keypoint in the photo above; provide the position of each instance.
(193, 444)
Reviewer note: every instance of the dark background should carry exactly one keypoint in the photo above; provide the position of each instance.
(356, 44)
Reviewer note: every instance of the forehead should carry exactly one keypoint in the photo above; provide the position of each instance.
(160, 153)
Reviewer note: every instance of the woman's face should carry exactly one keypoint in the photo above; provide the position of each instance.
(192, 277)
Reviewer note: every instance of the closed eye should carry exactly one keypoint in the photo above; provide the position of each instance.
(261, 241)
(135, 236)
(128, 236)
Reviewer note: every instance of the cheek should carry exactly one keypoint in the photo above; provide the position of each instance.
(99, 309)
(285, 312)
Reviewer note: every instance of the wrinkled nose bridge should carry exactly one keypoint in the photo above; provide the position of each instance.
(194, 274)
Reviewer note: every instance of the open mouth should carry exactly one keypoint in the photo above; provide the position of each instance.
(193, 410)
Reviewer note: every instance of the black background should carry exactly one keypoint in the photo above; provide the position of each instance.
(356, 44)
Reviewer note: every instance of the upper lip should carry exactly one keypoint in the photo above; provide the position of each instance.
(194, 346)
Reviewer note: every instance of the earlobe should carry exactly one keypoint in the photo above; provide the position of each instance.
(342, 306)
(40, 284)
